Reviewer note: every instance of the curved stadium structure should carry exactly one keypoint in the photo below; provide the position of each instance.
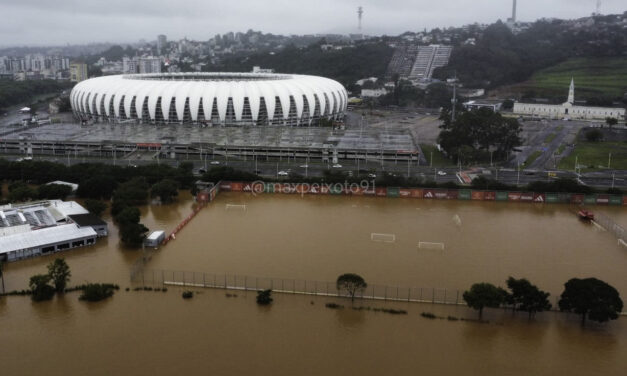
(227, 99)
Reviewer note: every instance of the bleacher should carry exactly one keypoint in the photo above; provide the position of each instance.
(418, 62)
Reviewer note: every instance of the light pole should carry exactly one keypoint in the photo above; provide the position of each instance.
(518, 178)
(609, 161)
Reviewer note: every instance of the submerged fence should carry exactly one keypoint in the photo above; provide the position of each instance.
(294, 286)
(611, 226)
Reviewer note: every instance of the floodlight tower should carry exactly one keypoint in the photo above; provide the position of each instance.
(514, 12)
(598, 13)
(360, 13)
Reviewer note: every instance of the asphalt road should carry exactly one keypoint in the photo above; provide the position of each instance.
(275, 169)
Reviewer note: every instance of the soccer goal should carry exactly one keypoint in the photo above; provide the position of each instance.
(233, 207)
(383, 238)
(429, 245)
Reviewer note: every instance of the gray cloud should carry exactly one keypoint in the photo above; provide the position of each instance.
(42, 22)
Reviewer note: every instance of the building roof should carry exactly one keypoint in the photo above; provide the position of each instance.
(87, 220)
(60, 210)
(39, 238)
(205, 89)
(155, 235)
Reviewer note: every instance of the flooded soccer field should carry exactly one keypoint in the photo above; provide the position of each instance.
(318, 238)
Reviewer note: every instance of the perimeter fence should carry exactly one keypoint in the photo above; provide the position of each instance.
(164, 278)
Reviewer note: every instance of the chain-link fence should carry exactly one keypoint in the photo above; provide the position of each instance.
(293, 286)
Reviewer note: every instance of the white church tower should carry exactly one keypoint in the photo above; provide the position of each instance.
(571, 92)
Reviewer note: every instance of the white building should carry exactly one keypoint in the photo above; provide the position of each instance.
(569, 110)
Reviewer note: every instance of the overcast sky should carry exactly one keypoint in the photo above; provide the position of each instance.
(48, 22)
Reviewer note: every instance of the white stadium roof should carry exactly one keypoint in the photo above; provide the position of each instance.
(128, 96)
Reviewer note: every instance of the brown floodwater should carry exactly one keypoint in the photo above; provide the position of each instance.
(317, 238)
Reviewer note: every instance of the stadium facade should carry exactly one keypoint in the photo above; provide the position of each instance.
(225, 99)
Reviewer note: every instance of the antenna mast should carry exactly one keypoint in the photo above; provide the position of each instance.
(360, 13)
(598, 13)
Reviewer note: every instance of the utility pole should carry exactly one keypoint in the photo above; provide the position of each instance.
(609, 161)
(454, 100)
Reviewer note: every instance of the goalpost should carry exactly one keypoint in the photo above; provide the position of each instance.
(235, 207)
(383, 238)
(429, 245)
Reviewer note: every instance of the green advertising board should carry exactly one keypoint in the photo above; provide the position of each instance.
(590, 199)
(394, 192)
(616, 200)
(552, 198)
(464, 194)
(269, 188)
(502, 196)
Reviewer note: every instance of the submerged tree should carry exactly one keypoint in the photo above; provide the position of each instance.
(351, 283)
(264, 297)
(592, 299)
(40, 287)
(527, 297)
(482, 295)
(59, 273)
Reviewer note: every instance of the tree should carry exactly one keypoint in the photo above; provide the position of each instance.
(264, 297)
(95, 292)
(351, 283)
(527, 297)
(474, 135)
(592, 299)
(40, 288)
(611, 122)
(132, 232)
(59, 273)
(594, 135)
(482, 295)
(19, 191)
(95, 207)
(54, 191)
(166, 190)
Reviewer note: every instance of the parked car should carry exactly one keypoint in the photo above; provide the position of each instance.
(283, 173)
(372, 176)
(215, 162)
(442, 173)
(337, 165)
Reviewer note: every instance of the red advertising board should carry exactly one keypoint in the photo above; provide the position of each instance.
(417, 193)
(237, 187)
(405, 193)
(324, 190)
(441, 194)
(358, 191)
(514, 196)
(225, 186)
(624, 200)
(539, 198)
(429, 193)
(247, 187)
(477, 195)
(526, 197)
(369, 192)
(603, 200)
(288, 188)
(452, 194)
(302, 189)
(381, 192)
(258, 187)
(576, 199)
(489, 196)
(314, 189)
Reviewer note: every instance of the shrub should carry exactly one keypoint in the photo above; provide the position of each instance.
(594, 135)
(428, 315)
(334, 306)
(188, 294)
(94, 292)
(264, 297)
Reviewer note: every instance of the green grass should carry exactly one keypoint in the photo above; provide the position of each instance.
(594, 77)
(561, 149)
(532, 158)
(594, 156)
(550, 138)
(439, 160)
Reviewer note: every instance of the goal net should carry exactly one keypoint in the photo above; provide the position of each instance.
(383, 238)
(429, 245)
(233, 207)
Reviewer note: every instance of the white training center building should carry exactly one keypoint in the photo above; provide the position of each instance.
(569, 110)
(226, 99)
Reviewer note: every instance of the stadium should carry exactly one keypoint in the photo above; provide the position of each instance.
(224, 99)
